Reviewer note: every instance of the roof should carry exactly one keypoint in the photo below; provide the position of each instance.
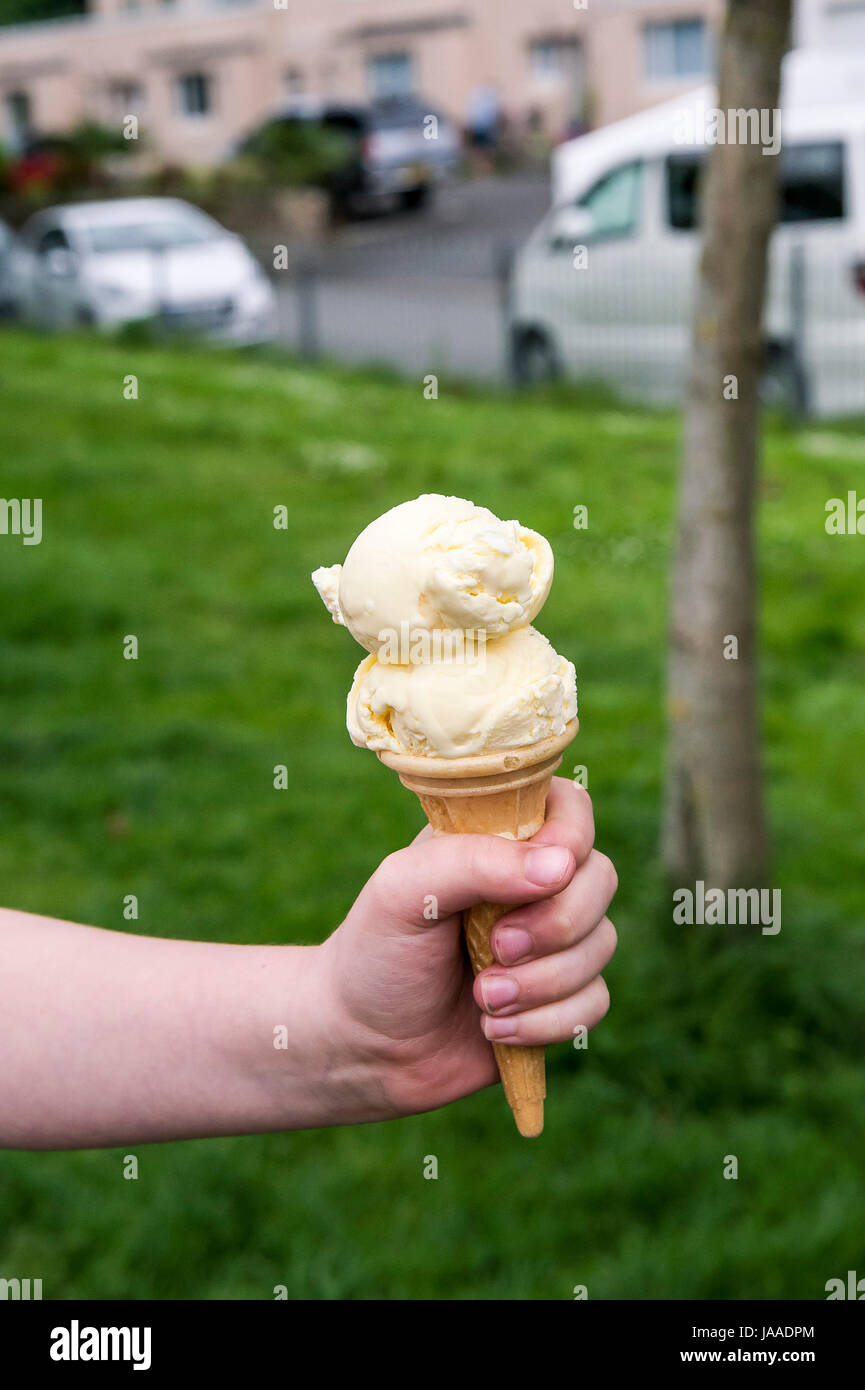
(823, 94)
(121, 210)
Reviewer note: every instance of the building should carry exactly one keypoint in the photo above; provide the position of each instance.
(200, 73)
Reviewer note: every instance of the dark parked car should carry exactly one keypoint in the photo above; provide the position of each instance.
(388, 154)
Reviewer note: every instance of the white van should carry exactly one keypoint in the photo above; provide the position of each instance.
(603, 289)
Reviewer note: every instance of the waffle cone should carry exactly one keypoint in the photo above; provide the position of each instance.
(502, 793)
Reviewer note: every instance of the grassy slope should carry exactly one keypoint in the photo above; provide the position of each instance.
(154, 777)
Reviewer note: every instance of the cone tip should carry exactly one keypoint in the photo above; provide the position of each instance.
(530, 1118)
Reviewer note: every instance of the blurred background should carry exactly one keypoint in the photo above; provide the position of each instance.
(385, 168)
(349, 199)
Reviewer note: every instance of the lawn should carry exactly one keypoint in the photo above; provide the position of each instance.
(155, 777)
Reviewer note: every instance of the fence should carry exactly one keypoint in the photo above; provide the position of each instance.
(403, 314)
(623, 320)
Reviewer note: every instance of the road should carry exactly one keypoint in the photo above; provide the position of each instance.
(419, 291)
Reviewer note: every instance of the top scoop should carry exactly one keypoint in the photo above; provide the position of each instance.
(442, 594)
(438, 562)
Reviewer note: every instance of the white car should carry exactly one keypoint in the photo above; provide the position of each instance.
(604, 288)
(105, 264)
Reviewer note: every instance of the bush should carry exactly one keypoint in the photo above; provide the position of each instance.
(65, 164)
(298, 152)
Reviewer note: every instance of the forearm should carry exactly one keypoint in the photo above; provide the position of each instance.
(109, 1038)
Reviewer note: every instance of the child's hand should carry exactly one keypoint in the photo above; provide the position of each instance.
(399, 980)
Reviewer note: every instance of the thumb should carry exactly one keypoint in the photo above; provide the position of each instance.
(457, 871)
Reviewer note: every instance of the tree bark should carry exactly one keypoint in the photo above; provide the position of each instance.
(714, 821)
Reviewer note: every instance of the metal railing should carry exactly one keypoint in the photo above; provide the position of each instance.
(461, 321)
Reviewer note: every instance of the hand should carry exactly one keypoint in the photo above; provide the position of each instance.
(182, 1039)
(399, 984)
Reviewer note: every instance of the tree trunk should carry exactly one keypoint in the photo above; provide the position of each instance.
(714, 826)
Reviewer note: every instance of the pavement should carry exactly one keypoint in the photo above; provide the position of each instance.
(417, 291)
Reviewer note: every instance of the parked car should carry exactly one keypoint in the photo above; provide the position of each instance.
(604, 287)
(108, 263)
(394, 153)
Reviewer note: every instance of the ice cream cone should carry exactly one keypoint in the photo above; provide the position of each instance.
(499, 793)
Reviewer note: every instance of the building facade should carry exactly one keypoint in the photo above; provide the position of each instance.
(198, 74)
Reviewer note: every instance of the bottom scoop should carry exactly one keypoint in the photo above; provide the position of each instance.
(513, 692)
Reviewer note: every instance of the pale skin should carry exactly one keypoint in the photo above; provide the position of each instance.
(113, 1039)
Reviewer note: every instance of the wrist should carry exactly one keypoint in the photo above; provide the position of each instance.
(299, 1056)
(354, 1062)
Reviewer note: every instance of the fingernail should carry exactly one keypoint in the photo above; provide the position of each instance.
(546, 865)
(498, 990)
(511, 944)
(496, 1028)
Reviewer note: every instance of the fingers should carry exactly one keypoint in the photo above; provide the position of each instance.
(542, 928)
(570, 820)
(550, 956)
(548, 980)
(551, 1023)
(436, 877)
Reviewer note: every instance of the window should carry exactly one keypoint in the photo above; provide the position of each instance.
(194, 94)
(293, 82)
(391, 75)
(812, 184)
(614, 201)
(676, 49)
(347, 122)
(683, 174)
(154, 235)
(551, 60)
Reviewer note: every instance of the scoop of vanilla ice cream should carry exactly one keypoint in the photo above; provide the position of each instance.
(326, 580)
(438, 562)
(514, 691)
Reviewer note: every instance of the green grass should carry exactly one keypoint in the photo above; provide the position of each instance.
(155, 777)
